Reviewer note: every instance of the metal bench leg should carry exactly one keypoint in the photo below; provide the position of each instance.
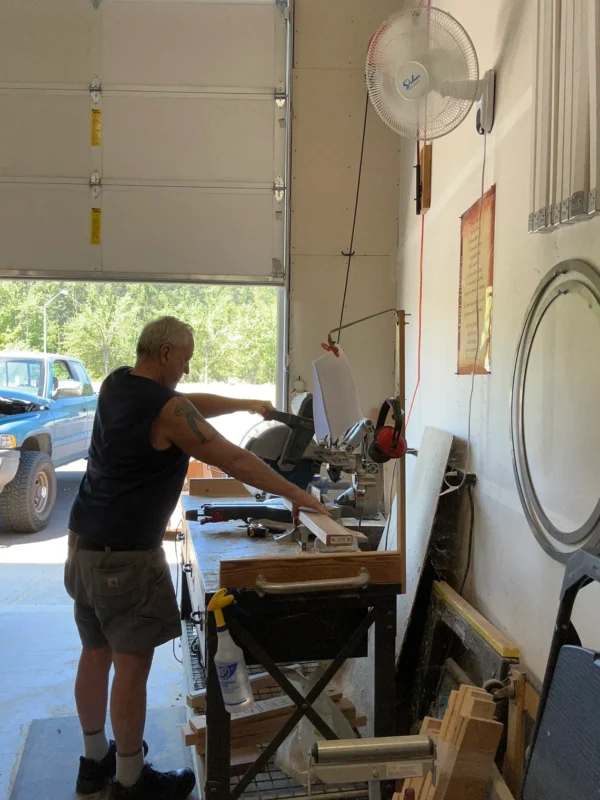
(384, 695)
(218, 728)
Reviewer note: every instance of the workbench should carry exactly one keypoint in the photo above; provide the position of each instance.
(301, 625)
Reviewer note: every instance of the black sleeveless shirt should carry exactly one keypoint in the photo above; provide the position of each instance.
(129, 490)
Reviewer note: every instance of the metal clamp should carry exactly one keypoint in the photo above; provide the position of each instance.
(197, 618)
(361, 581)
(187, 568)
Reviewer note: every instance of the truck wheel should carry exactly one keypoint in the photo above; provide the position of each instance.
(26, 503)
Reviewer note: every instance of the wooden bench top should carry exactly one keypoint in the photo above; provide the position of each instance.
(227, 557)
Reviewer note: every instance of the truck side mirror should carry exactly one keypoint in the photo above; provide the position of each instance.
(68, 388)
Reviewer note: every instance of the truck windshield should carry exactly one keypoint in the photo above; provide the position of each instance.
(23, 375)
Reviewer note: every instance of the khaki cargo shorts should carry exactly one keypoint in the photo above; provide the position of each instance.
(123, 599)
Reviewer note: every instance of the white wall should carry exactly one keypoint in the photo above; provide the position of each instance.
(331, 42)
(512, 580)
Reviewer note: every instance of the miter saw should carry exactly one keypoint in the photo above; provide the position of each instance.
(286, 443)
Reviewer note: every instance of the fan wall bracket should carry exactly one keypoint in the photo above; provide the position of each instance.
(486, 103)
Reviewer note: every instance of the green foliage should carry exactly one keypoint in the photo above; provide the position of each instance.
(235, 327)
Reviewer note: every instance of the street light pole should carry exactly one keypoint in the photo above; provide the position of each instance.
(46, 304)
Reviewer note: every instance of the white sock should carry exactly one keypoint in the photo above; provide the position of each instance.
(129, 769)
(96, 745)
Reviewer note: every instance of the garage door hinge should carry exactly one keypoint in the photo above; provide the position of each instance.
(95, 183)
(96, 3)
(277, 270)
(95, 89)
(280, 94)
(279, 189)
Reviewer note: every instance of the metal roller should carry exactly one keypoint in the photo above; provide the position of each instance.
(392, 748)
(384, 759)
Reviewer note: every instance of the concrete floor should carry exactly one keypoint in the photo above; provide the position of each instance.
(39, 645)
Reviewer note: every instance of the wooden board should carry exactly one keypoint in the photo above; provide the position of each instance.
(215, 541)
(243, 573)
(241, 760)
(426, 168)
(262, 680)
(327, 530)
(501, 643)
(499, 789)
(421, 506)
(259, 724)
(217, 487)
(515, 748)
(469, 774)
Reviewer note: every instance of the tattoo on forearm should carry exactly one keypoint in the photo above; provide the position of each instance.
(193, 417)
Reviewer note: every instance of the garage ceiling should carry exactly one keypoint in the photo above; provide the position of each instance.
(185, 137)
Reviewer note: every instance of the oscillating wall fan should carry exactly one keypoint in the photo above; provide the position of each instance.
(423, 75)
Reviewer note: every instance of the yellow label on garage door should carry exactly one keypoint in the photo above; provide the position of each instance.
(96, 226)
(96, 127)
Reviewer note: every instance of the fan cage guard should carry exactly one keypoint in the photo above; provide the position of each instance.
(411, 35)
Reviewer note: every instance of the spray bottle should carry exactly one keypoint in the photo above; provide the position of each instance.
(229, 660)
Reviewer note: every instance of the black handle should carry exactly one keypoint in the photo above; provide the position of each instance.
(291, 420)
(419, 195)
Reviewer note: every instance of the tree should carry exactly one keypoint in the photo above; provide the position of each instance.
(103, 333)
(235, 326)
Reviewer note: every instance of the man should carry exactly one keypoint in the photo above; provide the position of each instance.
(116, 571)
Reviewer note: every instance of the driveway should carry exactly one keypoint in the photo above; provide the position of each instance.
(39, 642)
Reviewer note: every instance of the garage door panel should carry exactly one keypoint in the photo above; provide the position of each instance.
(45, 41)
(44, 135)
(188, 44)
(178, 138)
(186, 232)
(186, 148)
(45, 229)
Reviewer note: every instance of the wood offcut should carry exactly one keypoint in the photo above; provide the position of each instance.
(466, 739)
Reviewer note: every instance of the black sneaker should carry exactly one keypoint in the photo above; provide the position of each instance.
(156, 785)
(94, 776)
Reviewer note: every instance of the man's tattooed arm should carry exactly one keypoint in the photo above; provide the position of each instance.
(198, 425)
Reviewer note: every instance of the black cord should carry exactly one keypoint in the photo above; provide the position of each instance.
(471, 527)
(350, 252)
(175, 656)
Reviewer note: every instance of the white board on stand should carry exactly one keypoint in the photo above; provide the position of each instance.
(335, 400)
(356, 678)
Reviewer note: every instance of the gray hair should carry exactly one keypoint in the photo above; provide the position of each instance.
(162, 331)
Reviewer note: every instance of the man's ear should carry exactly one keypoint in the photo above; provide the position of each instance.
(165, 352)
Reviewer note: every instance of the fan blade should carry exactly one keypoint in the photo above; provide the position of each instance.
(462, 90)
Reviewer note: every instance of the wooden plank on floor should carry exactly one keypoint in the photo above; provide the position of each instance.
(501, 643)
(258, 724)
(242, 573)
(499, 790)
(466, 776)
(515, 731)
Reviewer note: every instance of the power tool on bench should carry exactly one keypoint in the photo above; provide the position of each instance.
(289, 447)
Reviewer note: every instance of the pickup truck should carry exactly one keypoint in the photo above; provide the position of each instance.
(47, 408)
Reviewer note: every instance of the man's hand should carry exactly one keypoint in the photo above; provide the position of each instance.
(262, 407)
(302, 500)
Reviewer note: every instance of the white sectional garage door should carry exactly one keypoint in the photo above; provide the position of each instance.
(169, 170)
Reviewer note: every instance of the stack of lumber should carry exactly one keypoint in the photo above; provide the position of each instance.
(260, 723)
(467, 739)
